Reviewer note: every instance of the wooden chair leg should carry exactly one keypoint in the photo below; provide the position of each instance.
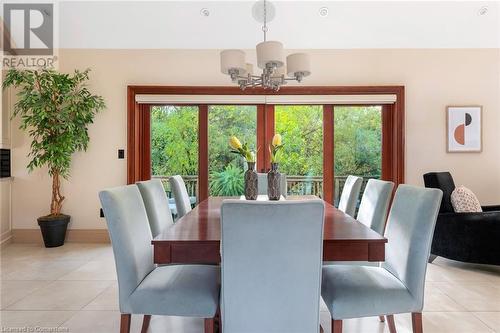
(336, 326)
(381, 318)
(391, 324)
(145, 323)
(416, 322)
(209, 325)
(321, 330)
(125, 323)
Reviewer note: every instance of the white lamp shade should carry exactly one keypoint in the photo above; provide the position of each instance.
(298, 63)
(269, 52)
(232, 59)
(249, 68)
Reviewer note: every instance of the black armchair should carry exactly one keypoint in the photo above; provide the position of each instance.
(468, 237)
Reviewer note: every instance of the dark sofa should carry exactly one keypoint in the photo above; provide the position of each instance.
(468, 237)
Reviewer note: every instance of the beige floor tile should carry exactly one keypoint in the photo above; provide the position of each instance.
(437, 301)
(107, 300)
(492, 319)
(62, 295)
(46, 319)
(444, 270)
(473, 296)
(92, 270)
(100, 322)
(13, 291)
(446, 322)
(47, 270)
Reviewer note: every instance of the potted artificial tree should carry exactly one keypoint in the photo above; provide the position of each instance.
(55, 110)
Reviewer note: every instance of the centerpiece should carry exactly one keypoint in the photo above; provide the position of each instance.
(251, 178)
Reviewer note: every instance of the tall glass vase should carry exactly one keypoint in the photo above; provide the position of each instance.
(251, 182)
(274, 182)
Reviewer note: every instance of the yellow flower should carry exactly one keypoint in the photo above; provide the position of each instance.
(234, 143)
(277, 140)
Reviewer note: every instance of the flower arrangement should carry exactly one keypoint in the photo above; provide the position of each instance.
(241, 149)
(275, 148)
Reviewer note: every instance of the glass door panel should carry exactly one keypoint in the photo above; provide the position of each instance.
(225, 168)
(174, 146)
(301, 128)
(357, 144)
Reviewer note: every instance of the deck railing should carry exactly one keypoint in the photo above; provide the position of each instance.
(296, 185)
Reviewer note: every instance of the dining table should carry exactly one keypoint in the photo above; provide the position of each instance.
(195, 237)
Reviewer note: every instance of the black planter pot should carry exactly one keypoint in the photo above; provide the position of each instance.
(54, 229)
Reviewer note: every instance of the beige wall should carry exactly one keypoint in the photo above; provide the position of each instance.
(433, 79)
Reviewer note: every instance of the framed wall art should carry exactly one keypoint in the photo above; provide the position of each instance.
(464, 129)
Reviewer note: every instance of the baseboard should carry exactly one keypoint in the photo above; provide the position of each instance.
(5, 239)
(72, 235)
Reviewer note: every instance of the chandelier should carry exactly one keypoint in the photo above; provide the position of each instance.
(269, 60)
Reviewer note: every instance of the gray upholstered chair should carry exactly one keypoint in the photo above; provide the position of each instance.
(397, 286)
(350, 194)
(271, 265)
(174, 290)
(375, 204)
(181, 196)
(156, 203)
(262, 184)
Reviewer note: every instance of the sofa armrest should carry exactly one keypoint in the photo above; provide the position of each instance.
(482, 217)
(491, 208)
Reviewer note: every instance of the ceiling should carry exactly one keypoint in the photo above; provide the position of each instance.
(298, 24)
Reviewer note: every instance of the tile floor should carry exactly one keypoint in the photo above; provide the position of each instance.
(74, 288)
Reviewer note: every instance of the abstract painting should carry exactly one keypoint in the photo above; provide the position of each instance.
(464, 129)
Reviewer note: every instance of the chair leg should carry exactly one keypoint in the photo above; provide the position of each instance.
(145, 323)
(336, 326)
(381, 318)
(391, 324)
(125, 323)
(416, 322)
(432, 257)
(209, 325)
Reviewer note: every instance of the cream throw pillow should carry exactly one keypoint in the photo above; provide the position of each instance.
(464, 201)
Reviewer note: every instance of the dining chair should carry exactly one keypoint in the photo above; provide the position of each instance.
(350, 194)
(172, 290)
(397, 286)
(262, 184)
(271, 255)
(375, 204)
(157, 206)
(181, 196)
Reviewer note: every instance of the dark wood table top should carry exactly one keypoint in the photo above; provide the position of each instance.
(195, 238)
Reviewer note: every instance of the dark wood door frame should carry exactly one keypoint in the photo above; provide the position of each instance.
(138, 129)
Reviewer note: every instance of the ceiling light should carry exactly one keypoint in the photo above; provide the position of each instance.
(270, 58)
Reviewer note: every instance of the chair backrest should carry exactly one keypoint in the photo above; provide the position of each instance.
(130, 235)
(444, 182)
(350, 194)
(156, 203)
(410, 228)
(181, 196)
(375, 204)
(262, 184)
(271, 265)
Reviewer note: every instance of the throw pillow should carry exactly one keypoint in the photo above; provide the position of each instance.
(463, 200)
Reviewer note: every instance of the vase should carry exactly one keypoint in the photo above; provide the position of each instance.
(251, 181)
(273, 183)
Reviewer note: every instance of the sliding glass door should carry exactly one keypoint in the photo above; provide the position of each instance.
(323, 144)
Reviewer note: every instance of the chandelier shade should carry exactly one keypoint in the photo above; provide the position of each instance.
(270, 54)
(233, 61)
(270, 59)
(298, 64)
